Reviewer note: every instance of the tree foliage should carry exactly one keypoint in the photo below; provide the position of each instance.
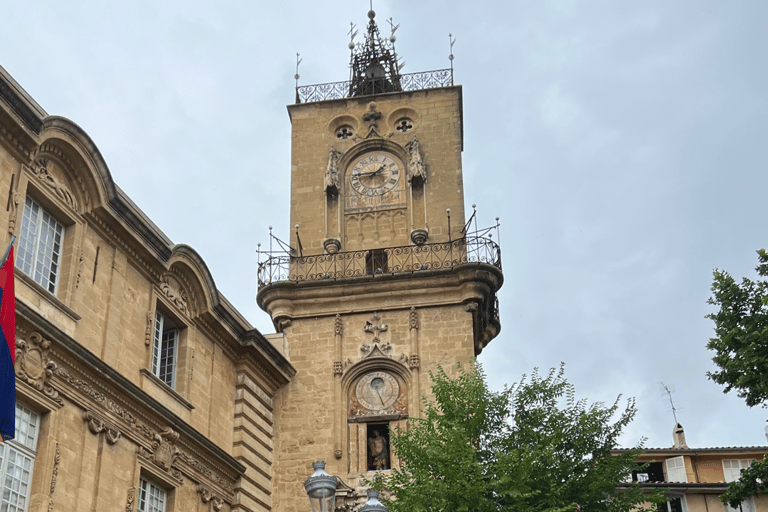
(532, 446)
(753, 481)
(741, 355)
(741, 334)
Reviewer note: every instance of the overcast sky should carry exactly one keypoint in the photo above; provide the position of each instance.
(622, 144)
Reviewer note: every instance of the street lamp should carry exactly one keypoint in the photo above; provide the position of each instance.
(321, 489)
(373, 505)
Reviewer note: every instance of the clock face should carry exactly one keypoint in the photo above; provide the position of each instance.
(374, 180)
(377, 391)
(374, 175)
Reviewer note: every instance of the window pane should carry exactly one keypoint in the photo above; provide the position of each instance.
(40, 245)
(151, 497)
(165, 349)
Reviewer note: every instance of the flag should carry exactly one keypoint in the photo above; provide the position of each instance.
(7, 349)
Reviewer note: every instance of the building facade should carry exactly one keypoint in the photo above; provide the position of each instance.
(384, 279)
(694, 478)
(141, 388)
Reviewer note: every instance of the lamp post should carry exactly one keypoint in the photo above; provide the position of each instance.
(321, 489)
(373, 505)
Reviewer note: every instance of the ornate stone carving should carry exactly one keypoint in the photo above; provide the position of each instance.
(53, 182)
(33, 365)
(207, 495)
(55, 474)
(470, 307)
(165, 449)
(172, 289)
(372, 118)
(414, 362)
(382, 348)
(416, 169)
(413, 318)
(131, 499)
(13, 209)
(98, 425)
(79, 270)
(338, 326)
(79, 384)
(373, 325)
(337, 369)
(148, 329)
(331, 178)
(283, 324)
(337, 454)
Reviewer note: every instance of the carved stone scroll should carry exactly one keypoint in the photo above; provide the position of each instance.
(209, 496)
(131, 499)
(97, 425)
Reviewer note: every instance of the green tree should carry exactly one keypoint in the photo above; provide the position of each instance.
(741, 355)
(530, 447)
(741, 334)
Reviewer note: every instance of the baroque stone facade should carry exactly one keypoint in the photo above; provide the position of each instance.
(113, 409)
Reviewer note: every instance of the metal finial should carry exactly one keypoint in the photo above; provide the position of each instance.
(452, 41)
(298, 61)
(393, 29)
(352, 33)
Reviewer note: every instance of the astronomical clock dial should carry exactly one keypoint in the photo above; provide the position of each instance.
(377, 391)
(374, 180)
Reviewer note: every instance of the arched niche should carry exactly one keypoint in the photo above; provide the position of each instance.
(376, 391)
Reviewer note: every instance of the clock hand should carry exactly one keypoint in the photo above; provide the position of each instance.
(382, 400)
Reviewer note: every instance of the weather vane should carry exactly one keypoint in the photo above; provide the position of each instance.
(296, 76)
(451, 40)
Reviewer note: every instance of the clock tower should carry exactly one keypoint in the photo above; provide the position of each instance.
(382, 280)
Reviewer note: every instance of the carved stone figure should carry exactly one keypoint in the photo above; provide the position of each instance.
(175, 294)
(378, 455)
(331, 179)
(40, 169)
(416, 167)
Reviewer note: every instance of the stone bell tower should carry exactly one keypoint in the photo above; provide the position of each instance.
(383, 280)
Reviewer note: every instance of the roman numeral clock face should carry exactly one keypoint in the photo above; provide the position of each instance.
(373, 181)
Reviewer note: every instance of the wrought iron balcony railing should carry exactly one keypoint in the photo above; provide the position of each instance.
(395, 260)
(368, 86)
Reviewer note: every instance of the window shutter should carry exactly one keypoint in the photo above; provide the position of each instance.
(674, 470)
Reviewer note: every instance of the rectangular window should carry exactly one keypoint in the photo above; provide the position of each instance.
(151, 497)
(674, 470)
(732, 468)
(672, 505)
(17, 460)
(165, 348)
(39, 248)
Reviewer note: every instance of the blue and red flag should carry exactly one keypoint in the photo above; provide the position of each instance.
(7, 349)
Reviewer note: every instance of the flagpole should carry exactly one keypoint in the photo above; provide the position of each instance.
(7, 250)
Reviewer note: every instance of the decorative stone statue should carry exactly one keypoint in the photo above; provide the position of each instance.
(378, 455)
(416, 167)
(331, 180)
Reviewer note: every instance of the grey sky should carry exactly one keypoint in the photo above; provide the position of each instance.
(621, 144)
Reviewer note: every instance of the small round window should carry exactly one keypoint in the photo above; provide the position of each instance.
(344, 132)
(404, 125)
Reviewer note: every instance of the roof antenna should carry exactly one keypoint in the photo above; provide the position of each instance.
(296, 76)
(665, 388)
